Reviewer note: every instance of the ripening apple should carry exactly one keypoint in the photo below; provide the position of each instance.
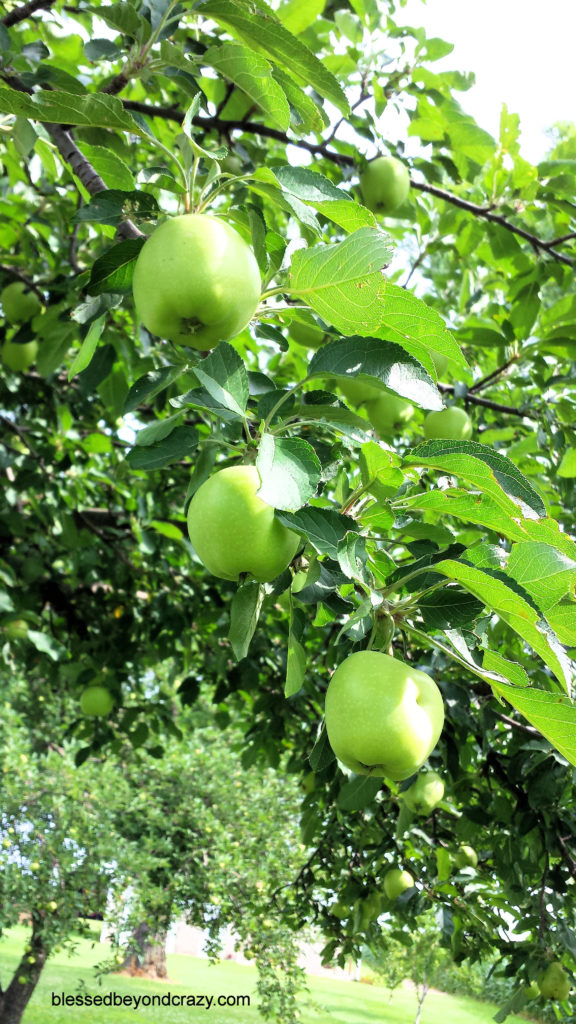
(396, 882)
(19, 357)
(425, 794)
(196, 281)
(532, 991)
(466, 857)
(383, 717)
(384, 184)
(234, 532)
(19, 302)
(452, 423)
(96, 701)
(555, 983)
(388, 414)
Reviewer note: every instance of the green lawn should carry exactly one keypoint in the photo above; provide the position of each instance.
(330, 1001)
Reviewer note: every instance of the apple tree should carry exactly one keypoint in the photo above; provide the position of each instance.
(390, 388)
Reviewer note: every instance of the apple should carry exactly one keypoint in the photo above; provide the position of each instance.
(357, 389)
(96, 701)
(555, 983)
(35, 865)
(466, 857)
(196, 281)
(425, 794)
(452, 423)
(384, 184)
(532, 991)
(383, 717)
(388, 414)
(306, 334)
(52, 905)
(396, 882)
(340, 910)
(232, 164)
(19, 357)
(19, 302)
(234, 532)
(16, 630)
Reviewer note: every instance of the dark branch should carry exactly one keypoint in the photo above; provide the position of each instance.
(23, 12)
(496, 406)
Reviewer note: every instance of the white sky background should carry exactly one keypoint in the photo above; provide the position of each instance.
(522, 53)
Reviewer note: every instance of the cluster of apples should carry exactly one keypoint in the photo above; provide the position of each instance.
(20, 304)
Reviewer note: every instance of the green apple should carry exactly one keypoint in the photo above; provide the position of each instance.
(466, 857)
(425, 794)
(555, 983)
(384, 184)
(196, 281)
(357, 389)
(96, 701)
(383, 717)
(234, 532)
(16, 630)
(35, 865)
(52, 905)
(19, 302)
(232, 164)
(340, 910)
(532, 991)
(396, 882)
(19, 357)
(452, 423)
(306, 334)
(388, 414)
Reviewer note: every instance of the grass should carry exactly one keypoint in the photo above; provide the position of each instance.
(329, 1002)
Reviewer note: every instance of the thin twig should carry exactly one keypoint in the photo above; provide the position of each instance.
(23, 12)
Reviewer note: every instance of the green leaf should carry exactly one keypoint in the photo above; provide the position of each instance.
(322, 754)
(253, 75)
(150, 385)
(224, 376)
(567, 467)
(385, 361)
(114, 270)
(358, 793)
(256, 24)
(408, 321)
(96, 110)
(244, 615)
(552, 714)
(179, 445)
(543, 571)
(114, 206)
(449, 608)
(483, 467)
(298, 15)
(88, 348)
(157, 431)
(562, 618)
(512, 608)
(321, 526)
(290, 471)
(114, 172)
(342, 282)
(296, 663)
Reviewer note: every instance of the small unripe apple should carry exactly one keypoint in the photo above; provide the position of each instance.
(22, 980)
(425, 794)
(19, 302)
(452, 423)
(555, 983)
(234, 532)
(466, 857)
(96, 701)
(383, 717)
(16, 630)
(35, 865)
(532, 991)
(384, 184)
(196, 281)
(396, 882)
(388, 414)
(19, 357)
(52, 905)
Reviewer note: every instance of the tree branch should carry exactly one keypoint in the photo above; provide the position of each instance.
(497, 406)
(23, 12)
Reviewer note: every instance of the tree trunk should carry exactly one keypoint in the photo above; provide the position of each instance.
(147, 957)
(14, 1000)
(421, 993)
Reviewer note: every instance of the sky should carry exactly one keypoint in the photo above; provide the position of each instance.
(522, 53)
